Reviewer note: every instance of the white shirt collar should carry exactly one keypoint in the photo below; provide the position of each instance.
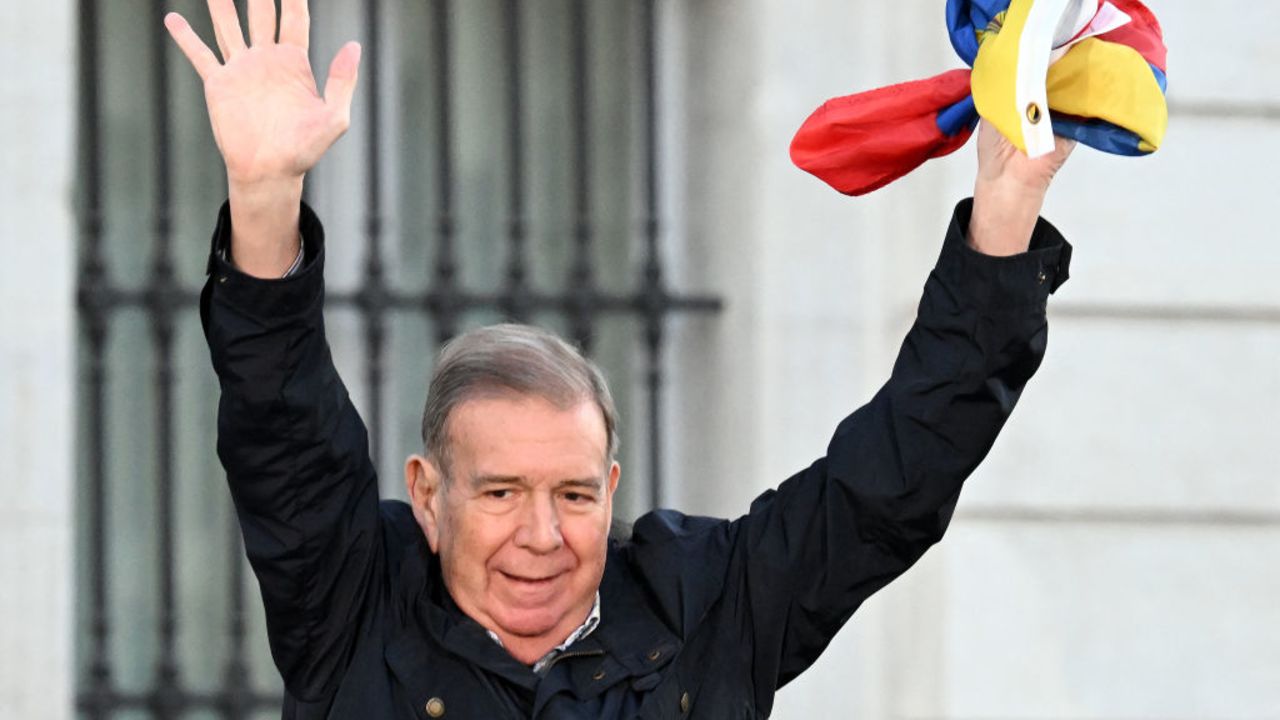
(586, 628)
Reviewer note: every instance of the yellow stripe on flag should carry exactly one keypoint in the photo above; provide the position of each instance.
(994, 79)
(1100, 79)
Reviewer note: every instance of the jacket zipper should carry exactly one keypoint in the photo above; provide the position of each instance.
(575, 653)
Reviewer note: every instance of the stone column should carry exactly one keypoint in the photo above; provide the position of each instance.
(37, 361)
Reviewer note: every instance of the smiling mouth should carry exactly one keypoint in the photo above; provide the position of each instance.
(528, 581)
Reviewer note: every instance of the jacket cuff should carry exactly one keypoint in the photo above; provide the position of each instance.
(267, 297)
(1017, 280)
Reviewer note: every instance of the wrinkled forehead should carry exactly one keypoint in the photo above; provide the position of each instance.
(520, 435)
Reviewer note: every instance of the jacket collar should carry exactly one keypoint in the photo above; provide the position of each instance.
(427, 619)
(630, 630)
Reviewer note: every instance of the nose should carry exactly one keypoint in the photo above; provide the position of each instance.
(539, 529)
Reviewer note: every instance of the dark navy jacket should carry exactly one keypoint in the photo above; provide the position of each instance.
(701, 617)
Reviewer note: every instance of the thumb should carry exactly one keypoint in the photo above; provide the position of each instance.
(1065, 147)
(340, 86)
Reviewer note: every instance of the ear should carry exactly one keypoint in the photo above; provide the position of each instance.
(424, 484)
(615, 472)
(611, 486)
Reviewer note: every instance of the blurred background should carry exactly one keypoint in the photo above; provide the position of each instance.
(618, 170)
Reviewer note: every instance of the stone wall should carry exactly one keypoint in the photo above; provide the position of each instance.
(37, 329)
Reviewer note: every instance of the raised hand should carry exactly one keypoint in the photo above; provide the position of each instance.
(270, 123)
(1009, 191)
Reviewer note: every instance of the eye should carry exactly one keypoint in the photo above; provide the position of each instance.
(498, 494)
(577, 497)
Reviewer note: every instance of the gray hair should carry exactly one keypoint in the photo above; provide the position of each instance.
(510, 358)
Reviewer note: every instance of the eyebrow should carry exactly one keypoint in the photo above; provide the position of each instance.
(481, 480)
(593, 483)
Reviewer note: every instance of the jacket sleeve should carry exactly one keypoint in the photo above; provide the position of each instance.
(296, 457)
(811, 551)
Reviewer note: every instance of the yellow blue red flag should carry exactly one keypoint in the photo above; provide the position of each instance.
(1091, 70)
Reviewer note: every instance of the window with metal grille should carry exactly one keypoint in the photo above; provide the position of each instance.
(501, 164)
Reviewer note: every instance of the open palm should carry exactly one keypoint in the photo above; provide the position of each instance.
(268, 119)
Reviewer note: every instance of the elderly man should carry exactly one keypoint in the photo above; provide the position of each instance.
(498, 591)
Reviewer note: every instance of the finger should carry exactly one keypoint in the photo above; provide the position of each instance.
(222, 46)
(295, 23)
(226, 25)
(262, 22)
(340, 87)
(201, 57)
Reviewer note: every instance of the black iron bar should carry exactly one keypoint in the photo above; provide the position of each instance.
(236, 701)
(581, 288)
(191, 700)
(99, 689)
(166, 697)
(461, 300)
(95, 316)
(372, 297)
(516, 302)
(561, 302)
(653, 292)
(443, 293)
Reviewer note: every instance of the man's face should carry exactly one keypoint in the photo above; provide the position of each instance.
(521, 523)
